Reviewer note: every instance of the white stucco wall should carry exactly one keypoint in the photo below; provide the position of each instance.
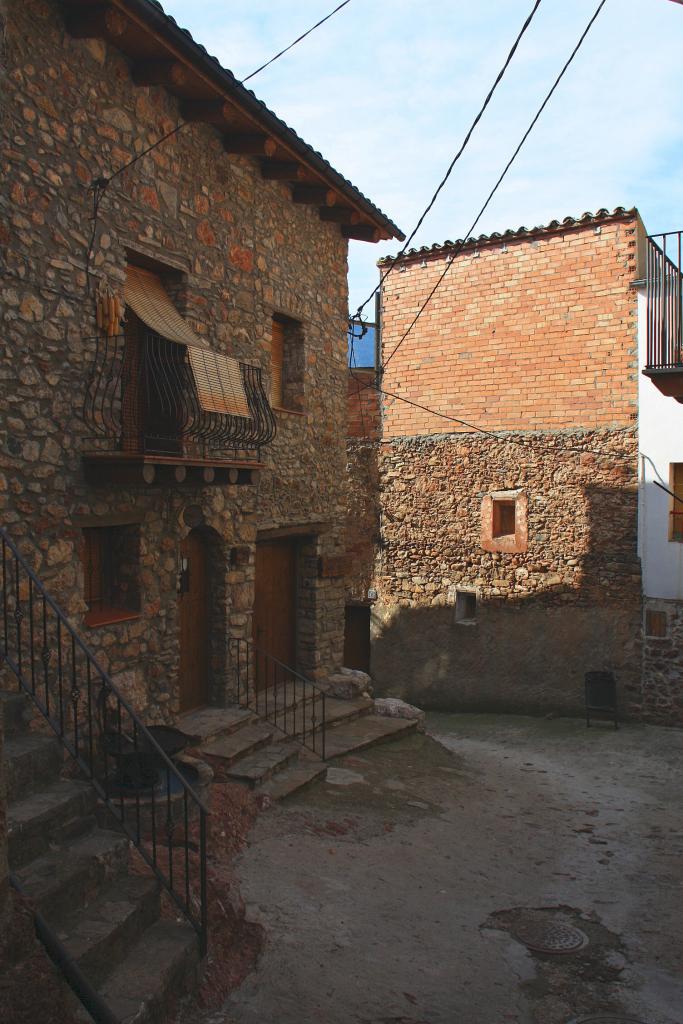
(661, 443)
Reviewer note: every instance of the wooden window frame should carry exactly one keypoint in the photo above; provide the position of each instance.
(287, 364)
(675, 506)
(110, 598)
(491, 514)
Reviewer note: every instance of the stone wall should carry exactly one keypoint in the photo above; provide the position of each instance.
(567, 604)
(71, 113)
(662, 698)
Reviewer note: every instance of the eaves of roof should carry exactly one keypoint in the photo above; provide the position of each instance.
(153, 13)
(601, 216)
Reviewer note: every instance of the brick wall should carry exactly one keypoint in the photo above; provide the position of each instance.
(363, 405)
(536, 334)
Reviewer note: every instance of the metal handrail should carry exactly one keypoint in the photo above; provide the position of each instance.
(664, 283)
(287, 699)
(68, 686)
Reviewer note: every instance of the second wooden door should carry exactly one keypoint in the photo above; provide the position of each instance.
(194, 623)
(275, 604)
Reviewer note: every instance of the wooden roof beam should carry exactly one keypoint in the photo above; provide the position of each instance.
(170, 73)
(103, 21)
(314, 195)
(218, 112)
(251, 145)
(361, 232)
(282, 170)
(339, 214)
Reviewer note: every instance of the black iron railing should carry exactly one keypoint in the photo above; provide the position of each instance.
(664, 301)
(148, 795)
(279, 694)
(142, 398)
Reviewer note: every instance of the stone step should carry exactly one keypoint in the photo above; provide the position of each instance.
(60, 812)
(71, 874)
(337, 712)
(210, 723)
(365, 732)
(293, 780)
(257, 768)
(16, 712)
(99, 936)
(240, 743)
(32, 762)
(159, 969)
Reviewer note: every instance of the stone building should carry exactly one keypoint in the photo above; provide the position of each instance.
(173, 368)
(506, 561)
(174, 315)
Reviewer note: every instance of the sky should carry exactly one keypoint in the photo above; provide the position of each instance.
(386, 91)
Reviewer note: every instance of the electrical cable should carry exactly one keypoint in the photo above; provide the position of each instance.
(298, 40)
(455, 159)
(458, 248)
(99, 185)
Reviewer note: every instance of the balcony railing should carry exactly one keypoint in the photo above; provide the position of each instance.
(147, 396)
(664, 303)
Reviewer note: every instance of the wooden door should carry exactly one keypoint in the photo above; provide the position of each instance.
(357, 637)
(275, 605)
(194, 623)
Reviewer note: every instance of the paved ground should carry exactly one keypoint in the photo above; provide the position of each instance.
(389, 894)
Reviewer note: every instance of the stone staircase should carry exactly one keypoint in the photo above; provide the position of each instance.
(261, 750)
(77, 873)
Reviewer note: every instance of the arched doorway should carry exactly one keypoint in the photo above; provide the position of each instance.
(193, 602)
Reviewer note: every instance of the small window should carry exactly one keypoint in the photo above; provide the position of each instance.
(287, 364)
(503, 518)
(655, 623)
(465, 606)
(111, 556)
(676, 483)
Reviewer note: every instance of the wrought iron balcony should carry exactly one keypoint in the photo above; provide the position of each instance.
(664, 362)
(165, 412)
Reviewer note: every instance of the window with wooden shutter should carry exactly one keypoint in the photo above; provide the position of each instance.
(111, 589)
(277, 359)
(676, 525)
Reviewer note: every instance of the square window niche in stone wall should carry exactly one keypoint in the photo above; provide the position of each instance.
(504, 521)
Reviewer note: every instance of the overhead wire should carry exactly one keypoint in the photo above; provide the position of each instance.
(459, 153)
(99, 185)
(467, 237)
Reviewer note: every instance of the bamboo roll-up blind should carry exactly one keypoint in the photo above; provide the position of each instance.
(219, 384)
(147, 297)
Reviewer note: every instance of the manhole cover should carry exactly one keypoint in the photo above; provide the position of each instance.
(605, 1019)
(550, 937)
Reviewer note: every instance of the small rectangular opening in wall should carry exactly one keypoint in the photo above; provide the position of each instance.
(655, 623)
(465, 606)
(503, 517)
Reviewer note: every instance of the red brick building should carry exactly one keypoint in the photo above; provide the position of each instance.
(505, 564)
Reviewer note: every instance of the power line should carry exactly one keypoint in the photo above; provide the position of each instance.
(99, 185)
(458, 248)
(298, 40)
(457, 156)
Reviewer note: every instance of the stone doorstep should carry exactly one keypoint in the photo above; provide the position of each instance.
(365, 732)
(210, 723)
(66, 877)
(257, 768)
(246, 740)
(60, 812)
(160, 968)
(293, 780)
(32, 761)
(98, 935)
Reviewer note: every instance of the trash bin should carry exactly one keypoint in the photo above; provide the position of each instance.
(601, 695)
